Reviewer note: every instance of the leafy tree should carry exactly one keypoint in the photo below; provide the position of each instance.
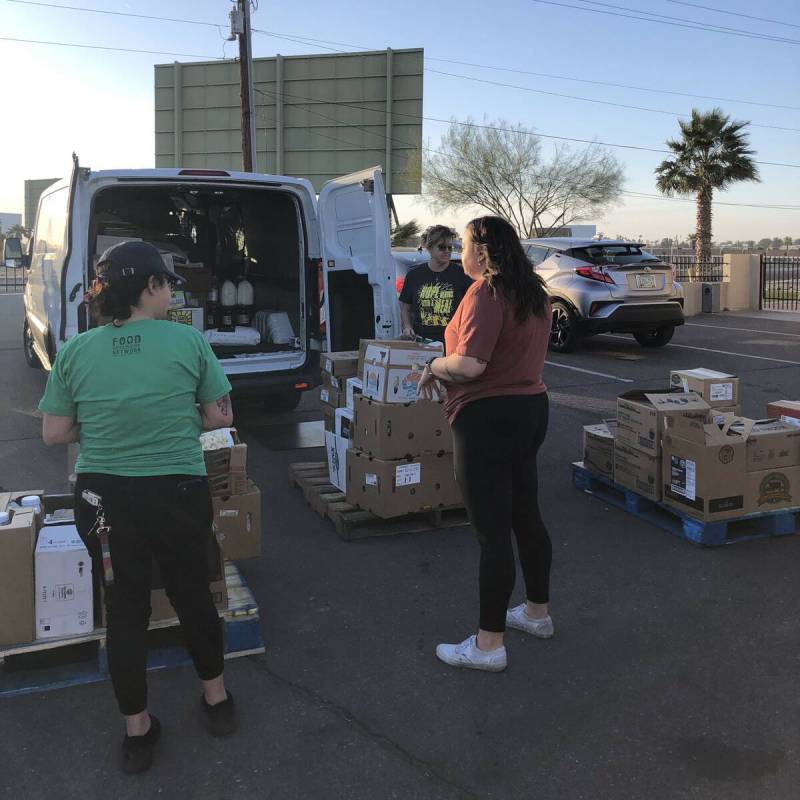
(764, 244)
(18, 231)
(712, 154)
(751, 244)
(405, 234)
(501, 169)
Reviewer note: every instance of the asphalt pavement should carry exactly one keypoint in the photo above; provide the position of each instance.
(673, 672)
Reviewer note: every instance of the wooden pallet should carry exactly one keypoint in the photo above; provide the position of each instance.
(76, 660)
(706, 534)
(352, 522)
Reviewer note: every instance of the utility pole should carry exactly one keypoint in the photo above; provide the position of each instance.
(240, 25)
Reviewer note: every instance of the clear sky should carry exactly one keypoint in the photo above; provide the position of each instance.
(100, 103)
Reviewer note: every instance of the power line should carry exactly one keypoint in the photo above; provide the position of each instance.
(734, 13)
(112, 49)
(768, 206)
(320, 42)
(694, 27)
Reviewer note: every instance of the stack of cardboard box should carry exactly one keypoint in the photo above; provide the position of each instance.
(236, 499)
(338, 373)
(400, 458)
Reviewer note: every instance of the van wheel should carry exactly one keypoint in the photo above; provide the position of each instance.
(283, 401)
(564, 337)
(31, 358)
(657, 337)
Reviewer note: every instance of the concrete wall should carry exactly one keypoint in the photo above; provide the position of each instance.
(741, 291)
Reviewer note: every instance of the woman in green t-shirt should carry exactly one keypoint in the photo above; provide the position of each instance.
(129, 392)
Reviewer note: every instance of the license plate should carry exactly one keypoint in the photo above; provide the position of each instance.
(645, 281)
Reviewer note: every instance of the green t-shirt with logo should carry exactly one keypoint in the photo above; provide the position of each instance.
(133, 390)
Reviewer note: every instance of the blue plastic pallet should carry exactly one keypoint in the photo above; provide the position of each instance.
(36, 667)
(705, 534)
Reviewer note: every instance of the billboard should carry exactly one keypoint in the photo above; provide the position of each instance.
(317, 116)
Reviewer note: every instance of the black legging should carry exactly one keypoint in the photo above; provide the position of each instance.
(496, 442)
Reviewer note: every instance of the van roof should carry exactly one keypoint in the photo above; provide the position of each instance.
(191, 175)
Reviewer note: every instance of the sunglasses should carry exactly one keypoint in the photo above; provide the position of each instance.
(444, 247)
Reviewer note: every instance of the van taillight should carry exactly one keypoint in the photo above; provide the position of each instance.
(594, 274)
(399, 283)
(323, 322)
(219, 173)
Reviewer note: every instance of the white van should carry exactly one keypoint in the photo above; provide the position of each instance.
(322, 268)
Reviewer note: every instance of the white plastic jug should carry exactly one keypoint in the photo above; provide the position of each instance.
(244, 303)
(227, 320)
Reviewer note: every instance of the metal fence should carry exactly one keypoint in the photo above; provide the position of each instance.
(780, 282)
(12, 279)
(689, 270)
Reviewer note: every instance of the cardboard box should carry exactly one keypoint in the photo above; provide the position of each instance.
(636, 470)
(391, 431)
(188, 316)
(772, 490)
(641, 415)
(63, 580)
(329, 417)
(332, 382)
(336, 447)
(396, 353)
(353, 389)
(704, 469)
(344, 423)
(227, 459)
(719, 413)
(716, 388)
(598, 447)
(394, 488)
(771, 443)
(343, 364)
(237, 523)
(331, 397)
(785, 410)
(17, 544)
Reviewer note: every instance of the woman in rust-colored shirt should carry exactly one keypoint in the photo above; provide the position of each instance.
(498, 408)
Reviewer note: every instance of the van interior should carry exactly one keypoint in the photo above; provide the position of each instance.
(213, 234)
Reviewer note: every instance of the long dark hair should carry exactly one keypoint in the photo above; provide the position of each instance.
(113, 301)
(509, 268)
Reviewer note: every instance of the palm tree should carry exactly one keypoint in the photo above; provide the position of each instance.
(18, 231)
(405, 234)
(712, 153)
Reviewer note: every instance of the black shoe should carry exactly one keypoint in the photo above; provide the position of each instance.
(137, 751)
(221, 717)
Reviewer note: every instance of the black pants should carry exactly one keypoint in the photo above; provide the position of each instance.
(169, 518)
(496, 442)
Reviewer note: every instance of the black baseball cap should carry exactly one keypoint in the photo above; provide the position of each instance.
(134, 258)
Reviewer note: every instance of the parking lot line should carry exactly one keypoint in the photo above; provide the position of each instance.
(711, 350)
(747, 330)
(589, 372)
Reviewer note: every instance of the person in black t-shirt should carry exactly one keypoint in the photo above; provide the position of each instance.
(432, 292)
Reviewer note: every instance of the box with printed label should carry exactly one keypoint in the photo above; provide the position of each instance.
(636, 470)
(391, 384)
(188, 316)
(336, 447)
(342, 364)
(393, 488)
(17, 544)
(598, 447)
(353, 389)
(771, 443)
(344, 423)
(329, 417)
(237, 523)
(331, 397)
(396, 353)
(332, 382)
(716, 388)
(391, 431)
(63, 580)
(786, 410)
(772, 490)
(641, 414)
(704, 469)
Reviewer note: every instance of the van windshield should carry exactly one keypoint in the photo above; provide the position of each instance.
(613, 254)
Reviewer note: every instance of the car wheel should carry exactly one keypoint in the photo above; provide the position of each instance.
(31, 358)
(563, 334)
(283, 401)
(657, 337)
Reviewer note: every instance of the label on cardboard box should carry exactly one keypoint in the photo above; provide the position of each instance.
(324, 395)
(371, 479)
(683, 477)
(408, 474)
(720, 391)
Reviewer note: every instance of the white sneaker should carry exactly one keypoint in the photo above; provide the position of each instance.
(467, 654)
(517, 618)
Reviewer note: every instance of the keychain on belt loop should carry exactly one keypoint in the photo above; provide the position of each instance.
(102, 529)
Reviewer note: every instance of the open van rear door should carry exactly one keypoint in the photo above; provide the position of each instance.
(358, 267)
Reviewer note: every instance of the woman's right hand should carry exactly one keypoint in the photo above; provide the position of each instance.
(408, 333)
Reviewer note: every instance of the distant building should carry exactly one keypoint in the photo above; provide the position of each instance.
(575, 231)
(9, 220)
(33, 191)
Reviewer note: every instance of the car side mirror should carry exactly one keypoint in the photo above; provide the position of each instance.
(12, 252)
